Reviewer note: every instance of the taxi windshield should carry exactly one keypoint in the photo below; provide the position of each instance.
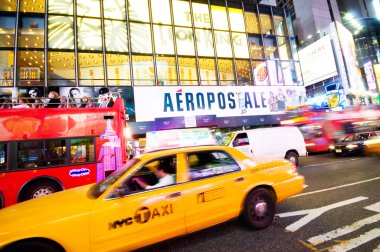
(101, 186)
(226, 139)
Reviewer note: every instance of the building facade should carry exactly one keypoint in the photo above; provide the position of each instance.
(235, 53)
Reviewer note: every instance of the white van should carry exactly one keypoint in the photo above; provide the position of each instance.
(274, 142)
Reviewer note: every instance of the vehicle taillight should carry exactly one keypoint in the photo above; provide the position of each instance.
(295, 168)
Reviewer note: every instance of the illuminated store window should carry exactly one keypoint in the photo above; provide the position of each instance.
(118, 70)
(266, 22)
(182, 14)
(226, 72)
(275, 72)
(161, 11)
(252, 21)
(7, 31)
(260, 73)
(60, 32)
(36, 6)
(204, 42)
(236, 20)
(243, 72)
(9, 5)
(289, 25)
(188, 71)
(239, 42)
(30, 68)
(166, 71)
(185, 41)
(89, 34)
(208, 72)
(91, 69)
(61, 68)
(141, 38)
(116, 36)
(143, 70)
(60, 7)
(293, 48)
(223, 44)
(114, 9)
(219, 17)
(201, 15)
(270, 47)
(256, 47)
(284, 48)
(289, 73)
(88, 8)
(31, 32)
(138, 10)
(163, 39)
(279, 22)
(6, 68)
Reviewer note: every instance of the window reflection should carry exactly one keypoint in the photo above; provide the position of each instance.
(223, 44)
(256, 47)
(31, 67)
(6, 68)
(31, 34)
(243, 72)
(116, 36)
(236, 19)
(239, 41)
(36, 6)
(208, 72)
(181, 13)
(7, 31)
(289, 73)
(89, 34)
(279, 23)
(266, 24)
(143, 70)
(284, 48)
(185, 42)
(163, 38)
(138, 10)
(219, 17)
(252, 22)
(188, 71)
(60, 7)
(91, 69)
(270, 47)
(114, 9)
(88, 8)
(166, 71)
(61, 69)
(60, 32)
(8, 5)
(118, 70)
(161, 11)
(201, 15)
(226, 72)
(141, 38)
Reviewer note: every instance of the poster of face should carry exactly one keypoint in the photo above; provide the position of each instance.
(75, 94)
(7, 96)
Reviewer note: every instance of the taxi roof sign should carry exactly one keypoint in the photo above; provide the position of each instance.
(178, 138)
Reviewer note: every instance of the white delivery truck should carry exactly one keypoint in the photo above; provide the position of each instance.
(273, 142)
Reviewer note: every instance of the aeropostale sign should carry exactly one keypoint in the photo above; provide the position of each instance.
(222, 101)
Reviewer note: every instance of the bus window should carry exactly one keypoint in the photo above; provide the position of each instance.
(30, 154)
(55, 152)
(82, 150)
(3, 156)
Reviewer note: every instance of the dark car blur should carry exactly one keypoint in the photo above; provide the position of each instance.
(353, 143)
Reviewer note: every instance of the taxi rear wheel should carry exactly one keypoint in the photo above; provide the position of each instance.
(34, 246)
(259, 209)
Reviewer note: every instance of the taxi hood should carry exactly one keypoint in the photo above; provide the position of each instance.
(58, 207)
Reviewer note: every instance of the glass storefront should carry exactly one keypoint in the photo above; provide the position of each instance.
(145, 43)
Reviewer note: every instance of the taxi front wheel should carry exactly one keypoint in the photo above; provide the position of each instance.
(259, 209)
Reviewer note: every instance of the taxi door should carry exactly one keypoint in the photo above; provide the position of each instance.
(215, 191)
(136, 220)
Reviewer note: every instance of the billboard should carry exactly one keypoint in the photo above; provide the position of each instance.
(317, 61)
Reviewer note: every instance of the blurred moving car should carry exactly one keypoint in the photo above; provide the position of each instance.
(212, 184)
(372, 146)
(353, 143)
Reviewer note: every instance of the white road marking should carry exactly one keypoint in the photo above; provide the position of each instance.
(377, 249)
(335, 162)
(336, 187)
(348, 229)
(311, 214)
(356, 242)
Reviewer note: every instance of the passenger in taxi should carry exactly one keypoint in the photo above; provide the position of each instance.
(163, 175)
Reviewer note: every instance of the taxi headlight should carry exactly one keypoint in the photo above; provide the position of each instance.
(352, 146)
(332, 147)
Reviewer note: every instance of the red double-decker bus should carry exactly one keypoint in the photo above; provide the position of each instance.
(45, 150)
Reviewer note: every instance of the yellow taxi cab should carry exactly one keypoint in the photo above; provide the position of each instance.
(372, 145)
(211, 184)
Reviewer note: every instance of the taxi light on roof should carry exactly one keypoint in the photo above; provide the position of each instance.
(294, 120)
(177, 138)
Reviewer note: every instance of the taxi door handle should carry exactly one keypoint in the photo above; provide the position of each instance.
(173, 195)
(239, 179)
